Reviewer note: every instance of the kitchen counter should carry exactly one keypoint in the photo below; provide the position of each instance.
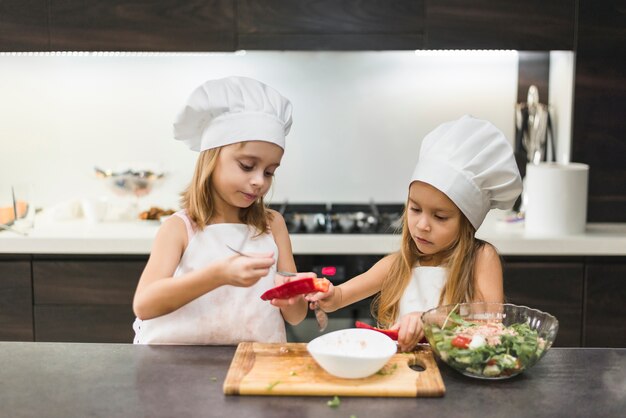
(80, 237)
(111, 380)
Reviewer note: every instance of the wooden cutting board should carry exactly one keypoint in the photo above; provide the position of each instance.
(288, 369)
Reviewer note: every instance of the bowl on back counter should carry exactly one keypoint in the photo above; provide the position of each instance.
(489, 340)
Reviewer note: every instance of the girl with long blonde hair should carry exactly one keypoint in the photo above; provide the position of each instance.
(465, 168)
(195, 289)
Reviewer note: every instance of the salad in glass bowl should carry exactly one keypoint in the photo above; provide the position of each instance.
(489, 340)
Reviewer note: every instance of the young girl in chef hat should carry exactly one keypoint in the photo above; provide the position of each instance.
(465, 168)
(194, 289)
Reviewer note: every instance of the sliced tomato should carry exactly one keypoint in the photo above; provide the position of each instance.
(461, 342)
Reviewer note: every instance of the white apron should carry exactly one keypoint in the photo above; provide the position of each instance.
(423, 290)
(226, 315)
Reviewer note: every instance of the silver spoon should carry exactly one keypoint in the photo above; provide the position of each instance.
(320, 315)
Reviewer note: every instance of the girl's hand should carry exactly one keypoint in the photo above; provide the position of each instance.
(410, 330)
(323, 299)
(246, 271)
(280, 279)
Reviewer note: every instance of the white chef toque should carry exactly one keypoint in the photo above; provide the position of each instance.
(472, 163)
(230, 110)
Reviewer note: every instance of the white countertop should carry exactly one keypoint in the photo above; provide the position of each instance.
(80, 237)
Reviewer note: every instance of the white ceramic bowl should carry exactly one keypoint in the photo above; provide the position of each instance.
(352, 353)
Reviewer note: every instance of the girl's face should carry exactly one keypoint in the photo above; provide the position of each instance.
(244, 173)
(432, 218)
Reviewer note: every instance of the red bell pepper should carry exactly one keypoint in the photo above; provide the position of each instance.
(389, 333)
(297, 287)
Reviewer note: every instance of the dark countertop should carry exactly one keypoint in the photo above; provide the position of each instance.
(122, 380)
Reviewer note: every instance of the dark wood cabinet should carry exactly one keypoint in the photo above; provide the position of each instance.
(228, 25)
(85, 299)
(24, 25)
(605, 314)
(89, 298)
(504, 24)
(599, 105)
(16, 295)
(553, 286)
(142, 25)
(330, 24)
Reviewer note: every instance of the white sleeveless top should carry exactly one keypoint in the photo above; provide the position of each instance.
(226, 315)
(424, 289)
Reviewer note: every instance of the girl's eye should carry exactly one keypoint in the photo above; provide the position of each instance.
(269, 174)
(416, 210)
(441, 218)
(245, 167)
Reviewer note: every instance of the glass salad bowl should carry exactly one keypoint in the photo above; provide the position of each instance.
(489, 340)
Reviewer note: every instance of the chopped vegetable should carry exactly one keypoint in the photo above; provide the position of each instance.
(271, 385)
(461, 342)
(214, 379)
(487, 349)
(386, 371)
(297, 287)
(391, 334)
(334, 403)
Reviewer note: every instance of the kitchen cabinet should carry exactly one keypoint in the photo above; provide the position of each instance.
(228, 25)
(532, 25)
(604, 310)
(24, 25)
(330, 24)
(88, 298)
(600, 100)
(16, 310)
(142, 25)
(550, 285)
(85, 299)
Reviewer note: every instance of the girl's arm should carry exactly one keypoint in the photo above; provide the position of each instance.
(488, 281)
(294, 309)
(355, 289)
(157, 294)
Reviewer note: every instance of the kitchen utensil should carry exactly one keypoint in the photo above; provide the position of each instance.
(352, 353)
(14, 204)
(288, 369)
(489, 340)
(320, 316)
(282, 273)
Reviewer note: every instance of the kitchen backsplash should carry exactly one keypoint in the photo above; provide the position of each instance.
(358, 116)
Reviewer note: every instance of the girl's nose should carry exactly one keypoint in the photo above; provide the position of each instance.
(257, 178)
(423, 224)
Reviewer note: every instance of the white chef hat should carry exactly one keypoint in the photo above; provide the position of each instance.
(472, 163)
(230, 110)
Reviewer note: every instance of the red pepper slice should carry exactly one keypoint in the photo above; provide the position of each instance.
(297, 287)
(460, 341)
(389, 333)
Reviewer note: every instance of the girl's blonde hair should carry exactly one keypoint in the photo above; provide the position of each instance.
(459, 260)
(198, 198)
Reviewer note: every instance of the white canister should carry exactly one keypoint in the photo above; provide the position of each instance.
(556, 198)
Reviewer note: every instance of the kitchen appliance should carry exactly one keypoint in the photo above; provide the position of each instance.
(275, 369)
(534, 137)
(341, 218)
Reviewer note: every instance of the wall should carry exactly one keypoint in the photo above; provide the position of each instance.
(358, 116)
